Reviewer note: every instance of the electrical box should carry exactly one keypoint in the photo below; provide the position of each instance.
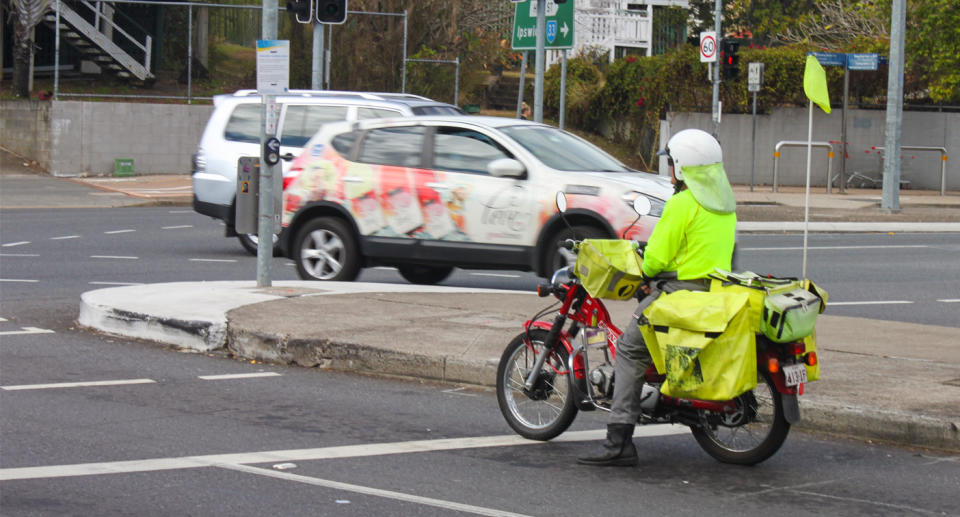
(248, 194)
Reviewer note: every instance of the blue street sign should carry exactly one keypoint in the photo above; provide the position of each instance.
(830, 58)
(862, 61)
(551, 31)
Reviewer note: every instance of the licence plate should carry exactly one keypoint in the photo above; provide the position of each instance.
(795, 374)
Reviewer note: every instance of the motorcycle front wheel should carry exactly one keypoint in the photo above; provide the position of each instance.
(545, 410)
(751, 434)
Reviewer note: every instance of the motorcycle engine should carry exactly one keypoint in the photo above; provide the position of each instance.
(602, 379)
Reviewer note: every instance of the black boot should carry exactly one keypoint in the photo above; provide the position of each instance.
(617, 450)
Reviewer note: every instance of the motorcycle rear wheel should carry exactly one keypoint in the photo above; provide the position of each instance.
(752, 434)
(548, 409)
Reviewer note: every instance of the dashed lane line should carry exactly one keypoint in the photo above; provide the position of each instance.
(118, 257)
(176, 227)
(25, 331)
(86, 384)
(115, 283)
(114, 232)
(25, 280)
(229, 261)
(19, 255)
(293, 455)
(237, 376)
(64, 237)
(498, 275)
(12, 244)
(878, 302)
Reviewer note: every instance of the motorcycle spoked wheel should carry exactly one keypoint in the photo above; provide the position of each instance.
(750, 435)
(548, 409)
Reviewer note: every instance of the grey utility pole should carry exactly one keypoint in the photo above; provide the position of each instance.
(890, 200)
(541, 57)
(316, 74)
(718, 17)
(267, 172)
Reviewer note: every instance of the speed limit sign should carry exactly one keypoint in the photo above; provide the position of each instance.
(708, 47)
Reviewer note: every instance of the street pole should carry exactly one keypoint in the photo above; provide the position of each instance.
(843, 128)
(265, 219)
(753, 152)
(523, 78)
(541, 57)
(718, 16)
(316, 75)
(890, 200)
(563, 85)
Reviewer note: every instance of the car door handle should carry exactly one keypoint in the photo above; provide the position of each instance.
(438, 186)
(352, 179)
(288, 157)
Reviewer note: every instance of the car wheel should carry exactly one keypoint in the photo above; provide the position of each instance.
(556, 257)
(424, 275)
(249, 241)
(327, 250)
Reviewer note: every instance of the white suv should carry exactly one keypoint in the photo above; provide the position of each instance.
(427, 194)
(233, 131)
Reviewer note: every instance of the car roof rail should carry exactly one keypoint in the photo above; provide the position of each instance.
(339, 93)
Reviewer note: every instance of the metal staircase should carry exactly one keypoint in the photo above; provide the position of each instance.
(94, 40)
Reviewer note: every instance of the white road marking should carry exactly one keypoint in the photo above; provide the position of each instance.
(18, 280)
(376, 492)
(114, 232)
(294, 455)
(2, 319)
(12, 244)
(114, 257)
(501, 275)
(794, 248)
(176, 227)
(237, 376)
(115, 283)
(64, 237)
(212, 260)
(26, 330)
(950, 300)
(180, 211)
(879, 302)
(76, 384)
(19, 255)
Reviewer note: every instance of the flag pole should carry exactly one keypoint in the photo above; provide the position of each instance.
(806, 202)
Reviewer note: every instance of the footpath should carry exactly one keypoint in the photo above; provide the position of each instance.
(886, 381)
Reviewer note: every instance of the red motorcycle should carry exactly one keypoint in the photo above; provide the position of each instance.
(552, 370)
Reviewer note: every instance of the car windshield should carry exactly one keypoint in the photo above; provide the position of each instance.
(436, 110)
(562, 151)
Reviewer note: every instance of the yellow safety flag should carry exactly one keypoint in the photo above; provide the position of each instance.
(815, 84)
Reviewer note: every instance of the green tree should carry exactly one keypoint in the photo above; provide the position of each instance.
(26, 15)
(933, 47)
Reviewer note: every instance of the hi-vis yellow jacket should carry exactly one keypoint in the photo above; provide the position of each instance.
(690, 239)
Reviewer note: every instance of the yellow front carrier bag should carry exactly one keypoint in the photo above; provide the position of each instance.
(703, 342)
(609, 268)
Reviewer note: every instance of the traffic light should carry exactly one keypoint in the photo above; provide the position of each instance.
(331, 11)
(731, 61)
(302, 9)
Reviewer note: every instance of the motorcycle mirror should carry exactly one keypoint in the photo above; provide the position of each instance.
(641, 205)
(562, 202)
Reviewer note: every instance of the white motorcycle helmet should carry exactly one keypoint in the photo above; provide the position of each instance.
(697, 161)
(692, 147)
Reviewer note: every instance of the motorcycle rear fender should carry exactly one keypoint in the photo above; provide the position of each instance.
(791, 408)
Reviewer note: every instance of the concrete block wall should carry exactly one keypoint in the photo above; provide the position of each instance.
(24, 129)
(866, 129)
(73, 138)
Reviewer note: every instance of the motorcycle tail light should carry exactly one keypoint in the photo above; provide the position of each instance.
(810, 359)
(773, 365)
(796, 348)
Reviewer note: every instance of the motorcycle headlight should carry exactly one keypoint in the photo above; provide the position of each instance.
(562, 276)
(656, 204)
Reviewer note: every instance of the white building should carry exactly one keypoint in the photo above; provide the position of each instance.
(619, 27)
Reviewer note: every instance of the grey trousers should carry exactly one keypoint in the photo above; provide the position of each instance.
(633, 358)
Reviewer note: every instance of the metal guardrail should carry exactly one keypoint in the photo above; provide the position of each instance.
(800, 143)
(943, 161)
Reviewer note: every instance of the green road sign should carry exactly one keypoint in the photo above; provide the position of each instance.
(559, 27)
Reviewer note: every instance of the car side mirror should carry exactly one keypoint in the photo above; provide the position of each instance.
(506, 168)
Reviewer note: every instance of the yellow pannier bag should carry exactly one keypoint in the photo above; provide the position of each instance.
(609, 268)
(703, 342)
(757, 288)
